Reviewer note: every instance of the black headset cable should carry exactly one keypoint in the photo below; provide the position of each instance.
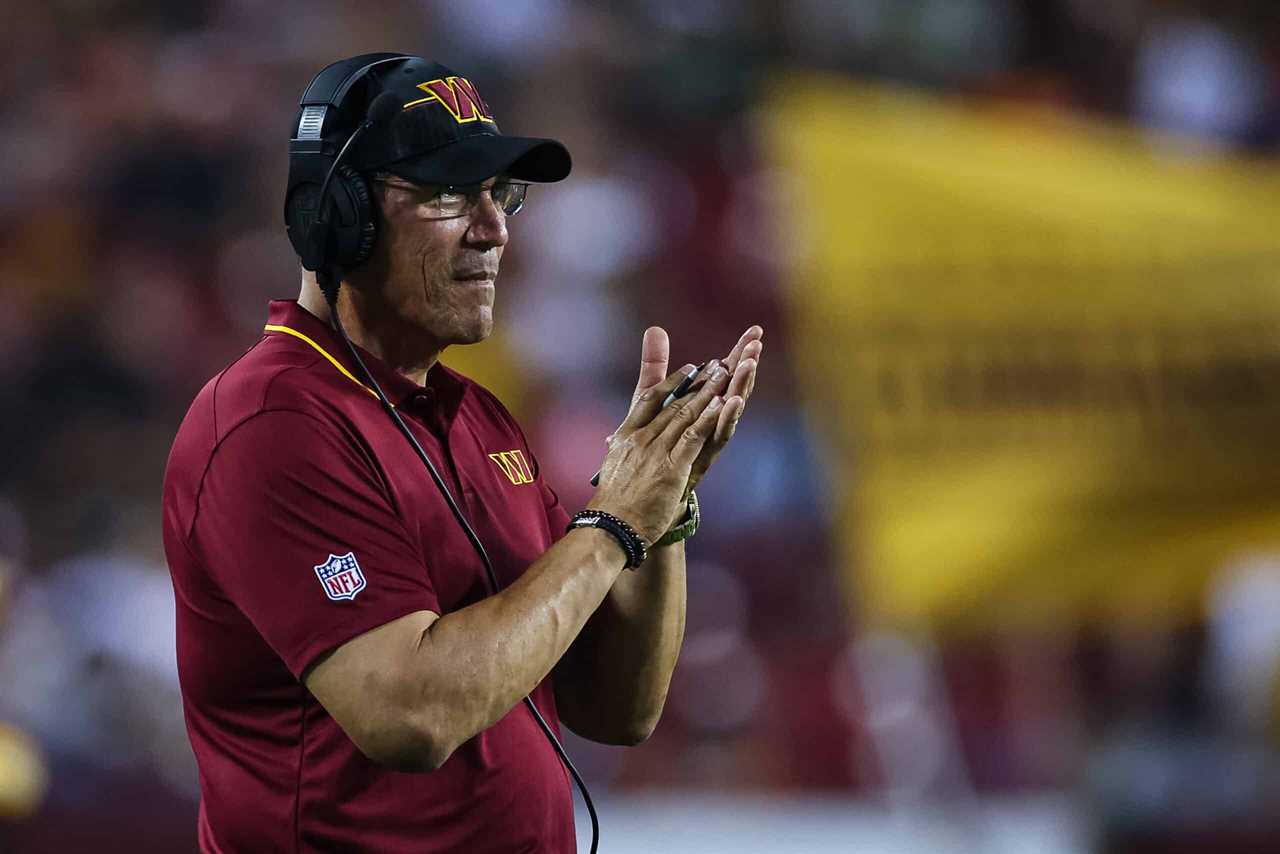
(335, 321)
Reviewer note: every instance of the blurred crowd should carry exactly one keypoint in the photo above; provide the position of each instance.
(143, 157)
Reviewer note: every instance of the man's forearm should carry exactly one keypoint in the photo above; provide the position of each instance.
(612, 684)
(484, 658)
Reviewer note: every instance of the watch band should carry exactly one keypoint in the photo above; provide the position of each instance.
(686, 527)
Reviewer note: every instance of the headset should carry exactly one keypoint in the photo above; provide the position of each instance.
(329, 213)
(332, 224)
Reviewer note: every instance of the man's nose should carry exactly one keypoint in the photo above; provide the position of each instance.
(488, 223)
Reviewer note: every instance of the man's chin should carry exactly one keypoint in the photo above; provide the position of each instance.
(476, 331)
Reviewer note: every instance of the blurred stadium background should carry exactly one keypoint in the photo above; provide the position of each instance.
(994, 563)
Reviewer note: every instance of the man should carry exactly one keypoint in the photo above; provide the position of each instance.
(350, 681)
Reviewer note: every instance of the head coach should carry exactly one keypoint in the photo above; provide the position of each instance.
(380, 600)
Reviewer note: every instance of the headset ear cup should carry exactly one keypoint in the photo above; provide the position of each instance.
(302, 208)
(355, 237)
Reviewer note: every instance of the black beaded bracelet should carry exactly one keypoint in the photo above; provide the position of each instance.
(634, 547)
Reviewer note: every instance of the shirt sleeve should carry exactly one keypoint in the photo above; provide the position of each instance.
(298, 530)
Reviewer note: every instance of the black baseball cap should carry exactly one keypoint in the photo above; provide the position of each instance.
(443, 131)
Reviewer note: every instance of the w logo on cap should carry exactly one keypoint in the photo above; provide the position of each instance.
(458, 96)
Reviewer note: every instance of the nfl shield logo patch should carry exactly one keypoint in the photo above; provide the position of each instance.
(340, 576)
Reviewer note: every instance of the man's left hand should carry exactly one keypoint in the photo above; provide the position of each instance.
(741, 363)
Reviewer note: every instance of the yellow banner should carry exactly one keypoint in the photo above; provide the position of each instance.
(1046, 355)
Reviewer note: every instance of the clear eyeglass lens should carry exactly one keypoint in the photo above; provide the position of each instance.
(457, 201)
(510, 196)
(451, 202)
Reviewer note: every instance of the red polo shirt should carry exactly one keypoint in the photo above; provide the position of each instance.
(296, 517)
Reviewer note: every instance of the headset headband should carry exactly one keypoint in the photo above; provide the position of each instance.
(331, 85)
(328, 89)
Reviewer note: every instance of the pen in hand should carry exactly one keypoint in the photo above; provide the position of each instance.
(686, 386)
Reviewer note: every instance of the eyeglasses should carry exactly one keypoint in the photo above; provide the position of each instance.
(446, 202)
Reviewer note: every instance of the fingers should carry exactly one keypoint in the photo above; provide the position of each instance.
(648, 401)
(691, 439)
(683, 412)
(736, 395)
(743, 379)
(727, 423)
(740, 350)
(655, 352)
(737, 375)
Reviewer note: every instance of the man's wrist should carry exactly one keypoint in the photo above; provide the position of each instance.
(607, 551)
(628, 539)
(686, 526)
(692, 484)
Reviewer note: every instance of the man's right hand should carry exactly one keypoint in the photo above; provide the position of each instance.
(644, 474)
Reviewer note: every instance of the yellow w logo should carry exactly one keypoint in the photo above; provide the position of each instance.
(514, 466)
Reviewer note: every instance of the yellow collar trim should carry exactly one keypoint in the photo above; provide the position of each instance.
(272, 327)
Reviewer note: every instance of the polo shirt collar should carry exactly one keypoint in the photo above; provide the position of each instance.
(441, 382)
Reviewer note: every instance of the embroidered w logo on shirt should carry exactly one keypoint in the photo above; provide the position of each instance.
(514, 466)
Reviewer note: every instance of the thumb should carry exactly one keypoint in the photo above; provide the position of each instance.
(655, 351)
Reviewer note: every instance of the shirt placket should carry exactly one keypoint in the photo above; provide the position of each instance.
(422, 410)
